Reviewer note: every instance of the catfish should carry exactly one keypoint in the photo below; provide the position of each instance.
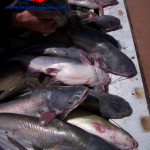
(57, 134)
(47, 103)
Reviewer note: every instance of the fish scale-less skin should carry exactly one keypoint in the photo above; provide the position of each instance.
(56, 135)
(70, 71)
(102, 128)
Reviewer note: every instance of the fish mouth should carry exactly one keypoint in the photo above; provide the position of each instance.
(84, 95)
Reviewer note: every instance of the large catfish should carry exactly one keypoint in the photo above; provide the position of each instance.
(56, 135)
(65, 70)
(104, 53)
(46, 103)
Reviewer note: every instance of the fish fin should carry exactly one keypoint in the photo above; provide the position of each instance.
(52, 70)
(31, 86)
(96, 63)
(85, 60)
(92, 15)
(53, 80)
(36, 147)
(46, 117)
(100, 8)
(14, 142)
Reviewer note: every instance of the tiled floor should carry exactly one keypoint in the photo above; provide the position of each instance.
(139, 15)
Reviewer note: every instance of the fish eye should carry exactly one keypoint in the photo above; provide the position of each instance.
(69, 101)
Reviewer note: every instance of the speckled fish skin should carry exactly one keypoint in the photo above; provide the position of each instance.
(94, 4)
(102, 128)
(65, 70)
(56, 100)
(104, 23)
(108, 57)
(56, 135)
(106, 105)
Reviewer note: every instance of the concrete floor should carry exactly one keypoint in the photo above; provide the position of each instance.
(139, 16)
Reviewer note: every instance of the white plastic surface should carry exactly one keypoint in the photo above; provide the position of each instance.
(129, 89)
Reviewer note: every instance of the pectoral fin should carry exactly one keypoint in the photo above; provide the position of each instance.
(46, 117)
(52, 71)
(85, 60)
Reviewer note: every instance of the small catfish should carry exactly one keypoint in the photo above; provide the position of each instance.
(46, 103)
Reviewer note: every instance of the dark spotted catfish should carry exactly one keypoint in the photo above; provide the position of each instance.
(46, 103)
(24, 131)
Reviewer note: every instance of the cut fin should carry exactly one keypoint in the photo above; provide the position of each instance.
(92, 15)
(52, 71)
(14, 142)
(31, 86)
(36, 147)
(85, 60)
(46, 117)
(53, 80)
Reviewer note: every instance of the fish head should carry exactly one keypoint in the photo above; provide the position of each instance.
(113, 106)
(111, 22)
(64, 99)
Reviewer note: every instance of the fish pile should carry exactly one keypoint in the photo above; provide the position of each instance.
(53, 88)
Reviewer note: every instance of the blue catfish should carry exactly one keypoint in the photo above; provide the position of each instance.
(46, 103)
(65, 70)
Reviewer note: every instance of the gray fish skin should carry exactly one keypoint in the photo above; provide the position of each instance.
(18, 86)
(106, 105)
(56, 135)
(104, 23)
(8, 74)
(49, 102)
(108, 57)
(44, 49)
(65, 70)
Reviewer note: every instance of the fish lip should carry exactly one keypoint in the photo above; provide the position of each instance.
(84, 95)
